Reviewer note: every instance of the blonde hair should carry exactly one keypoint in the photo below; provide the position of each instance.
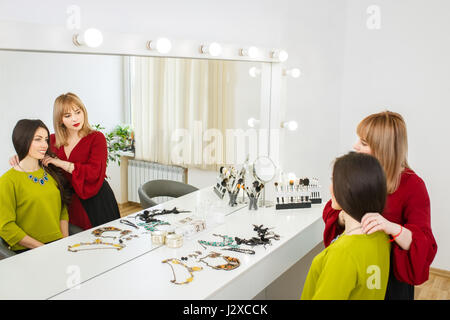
(63, 104)
(385, 132)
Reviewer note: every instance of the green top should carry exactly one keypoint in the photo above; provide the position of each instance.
(354, 267)
(29, 208)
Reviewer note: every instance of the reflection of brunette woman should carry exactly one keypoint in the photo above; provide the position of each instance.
(406, 217)
(82, 152)
(33, 200)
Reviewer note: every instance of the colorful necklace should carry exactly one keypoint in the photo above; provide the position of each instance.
(96, 243)
(41, 181)
(231, 262)
(227, 242)
(189, 269)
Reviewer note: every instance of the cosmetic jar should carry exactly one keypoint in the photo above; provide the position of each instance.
(174, 240)
(158, 237)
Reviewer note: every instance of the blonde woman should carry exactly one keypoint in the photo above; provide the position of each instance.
(406, 217)
(81, 152)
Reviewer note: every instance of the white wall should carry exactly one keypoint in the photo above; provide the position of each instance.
(405, 67)
(314, 36)
(30, 82)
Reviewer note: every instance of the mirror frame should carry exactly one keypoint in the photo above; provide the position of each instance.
(19, 36)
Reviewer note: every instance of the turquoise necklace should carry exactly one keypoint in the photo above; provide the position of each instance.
(227, 242)
(41, 181)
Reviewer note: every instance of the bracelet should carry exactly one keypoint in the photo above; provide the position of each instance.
(393, 237)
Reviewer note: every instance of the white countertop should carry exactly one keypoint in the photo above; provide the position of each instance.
(136, 272)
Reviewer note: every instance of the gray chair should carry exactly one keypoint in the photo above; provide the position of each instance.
(73, 229)
(162, 188)
(5, 252)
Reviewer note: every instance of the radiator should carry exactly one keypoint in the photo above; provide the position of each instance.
(139, 172)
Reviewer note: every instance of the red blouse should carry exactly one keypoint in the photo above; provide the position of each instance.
(409, 206)
(89, 158)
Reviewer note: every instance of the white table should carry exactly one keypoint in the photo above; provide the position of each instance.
(136, 272)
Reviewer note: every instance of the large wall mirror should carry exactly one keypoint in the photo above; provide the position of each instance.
(188, 113)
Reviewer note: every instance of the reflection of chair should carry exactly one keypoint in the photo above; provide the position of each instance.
(162, 188)
(73, 229)
(5, 252)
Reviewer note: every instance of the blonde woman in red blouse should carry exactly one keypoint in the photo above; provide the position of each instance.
(82, 153)
(406, 217)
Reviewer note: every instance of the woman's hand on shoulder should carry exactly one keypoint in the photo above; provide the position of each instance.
(14, 161)
(50, 160)
(373, 221)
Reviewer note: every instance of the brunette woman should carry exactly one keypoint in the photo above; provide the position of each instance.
(406, 217)
(356, 265)
(33, 199)
(81, 152)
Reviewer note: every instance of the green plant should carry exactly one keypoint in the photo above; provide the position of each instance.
(119, 139)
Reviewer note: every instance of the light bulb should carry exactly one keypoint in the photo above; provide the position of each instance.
(290, 125)
(292, 176)
(162, 45)
(281, 55)
(214, 49)
(254, 72)
(252, 122)
(294, 73)
(251, 52)
(91, 37)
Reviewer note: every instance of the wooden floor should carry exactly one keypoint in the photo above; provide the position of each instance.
(129, 208)
(436, 288)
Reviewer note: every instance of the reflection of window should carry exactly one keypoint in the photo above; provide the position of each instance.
(171, 97)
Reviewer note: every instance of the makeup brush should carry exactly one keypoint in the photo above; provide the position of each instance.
(276, 188)
(291, 184)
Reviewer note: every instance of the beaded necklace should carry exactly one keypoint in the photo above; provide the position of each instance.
(189, 269)
(227, 242)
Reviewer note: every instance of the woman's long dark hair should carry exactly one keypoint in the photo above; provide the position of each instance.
(359, 184)
(22, 137)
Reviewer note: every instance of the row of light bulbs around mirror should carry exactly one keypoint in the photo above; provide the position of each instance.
(93, 38)
(291, 125)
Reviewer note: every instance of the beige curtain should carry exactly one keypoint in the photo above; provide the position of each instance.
(180, 109)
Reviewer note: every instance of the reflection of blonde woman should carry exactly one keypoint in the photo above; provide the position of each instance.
(406, 217)
(82, 152)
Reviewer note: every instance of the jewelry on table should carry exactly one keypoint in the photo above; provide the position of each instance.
(262, 239)
(195, 254)
(232, 263)
(99, 232)
(189, 269)
(227, 242)
(128, 223)
(123, 233)
(149, 215)
(95, 242)
(151, 226)
(246, 251)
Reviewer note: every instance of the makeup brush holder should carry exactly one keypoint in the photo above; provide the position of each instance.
(253, 203)
(220, 191)
(233, 199)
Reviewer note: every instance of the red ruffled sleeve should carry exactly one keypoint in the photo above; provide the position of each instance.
(412, 266)
(88, 176)
(332, 228)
